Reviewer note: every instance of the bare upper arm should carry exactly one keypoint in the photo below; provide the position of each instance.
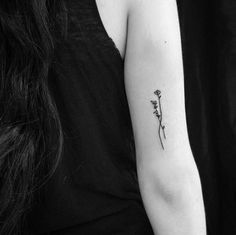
(153, 61)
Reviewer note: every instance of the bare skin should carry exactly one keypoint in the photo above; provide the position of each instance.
(114, 15)
(147, 35)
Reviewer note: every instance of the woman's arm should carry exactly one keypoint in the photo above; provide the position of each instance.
(168, 177)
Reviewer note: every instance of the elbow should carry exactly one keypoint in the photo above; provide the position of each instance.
(172, 198)
(177, 186)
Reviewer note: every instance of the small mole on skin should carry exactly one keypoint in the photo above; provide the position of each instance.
(165, 41)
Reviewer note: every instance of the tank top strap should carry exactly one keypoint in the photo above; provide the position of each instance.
(101, 26)
(86, 22)
(98, 18)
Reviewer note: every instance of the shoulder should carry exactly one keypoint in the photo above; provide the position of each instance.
(152, 22)
(141, 4)
(152, 8)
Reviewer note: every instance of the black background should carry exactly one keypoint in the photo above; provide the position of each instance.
(208, 30)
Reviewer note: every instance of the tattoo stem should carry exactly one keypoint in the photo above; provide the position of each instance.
(158, 113)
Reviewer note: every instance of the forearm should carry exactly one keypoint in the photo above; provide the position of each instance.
(172, 197)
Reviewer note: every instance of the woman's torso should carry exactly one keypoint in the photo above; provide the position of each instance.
(95, 188)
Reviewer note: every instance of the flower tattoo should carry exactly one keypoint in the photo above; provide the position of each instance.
(158, 113)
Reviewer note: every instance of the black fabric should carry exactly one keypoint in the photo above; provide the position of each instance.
(199, 56)
(208, 29)
(226, 79)
(95, 188)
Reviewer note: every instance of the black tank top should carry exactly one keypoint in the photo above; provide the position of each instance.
(95, 188)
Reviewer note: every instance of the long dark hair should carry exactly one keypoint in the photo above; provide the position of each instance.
(29, 121)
